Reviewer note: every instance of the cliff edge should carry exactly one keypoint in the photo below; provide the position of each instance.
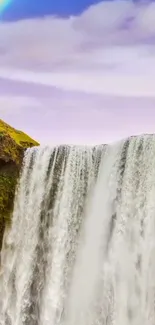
(13, 143)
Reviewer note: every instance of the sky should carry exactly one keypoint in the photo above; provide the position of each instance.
(78, 71)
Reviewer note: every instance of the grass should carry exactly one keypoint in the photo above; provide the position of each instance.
(19, 137)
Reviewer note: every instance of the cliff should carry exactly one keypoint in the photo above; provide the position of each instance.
(13, 143)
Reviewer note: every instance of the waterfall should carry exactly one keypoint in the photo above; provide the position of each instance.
(81, 248)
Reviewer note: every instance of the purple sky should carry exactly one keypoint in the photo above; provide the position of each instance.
(85, 79)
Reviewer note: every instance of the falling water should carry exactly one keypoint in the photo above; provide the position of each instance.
(39, 251)
(81, 249)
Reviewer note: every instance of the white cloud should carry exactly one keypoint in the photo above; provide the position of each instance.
(104, 50)
(108, 50)
(56, 40)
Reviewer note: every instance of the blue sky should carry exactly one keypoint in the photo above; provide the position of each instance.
(88, 78)
(19, 9)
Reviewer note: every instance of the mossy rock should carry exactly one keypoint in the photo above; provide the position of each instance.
(13, 144)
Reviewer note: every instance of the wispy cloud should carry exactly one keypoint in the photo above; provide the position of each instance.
(91, 82)
(73, 117)
(108, 50)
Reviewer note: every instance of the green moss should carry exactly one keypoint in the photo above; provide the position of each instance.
(1, 134)
(7, 190)
(13, 152)
(19, 137)
(12, 146)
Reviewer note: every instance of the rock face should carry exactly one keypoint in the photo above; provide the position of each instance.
(13, 143)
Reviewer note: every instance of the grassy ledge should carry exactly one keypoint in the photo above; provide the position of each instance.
(19, 137)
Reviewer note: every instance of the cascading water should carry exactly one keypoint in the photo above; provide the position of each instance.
(39, 251)
(81, 250)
